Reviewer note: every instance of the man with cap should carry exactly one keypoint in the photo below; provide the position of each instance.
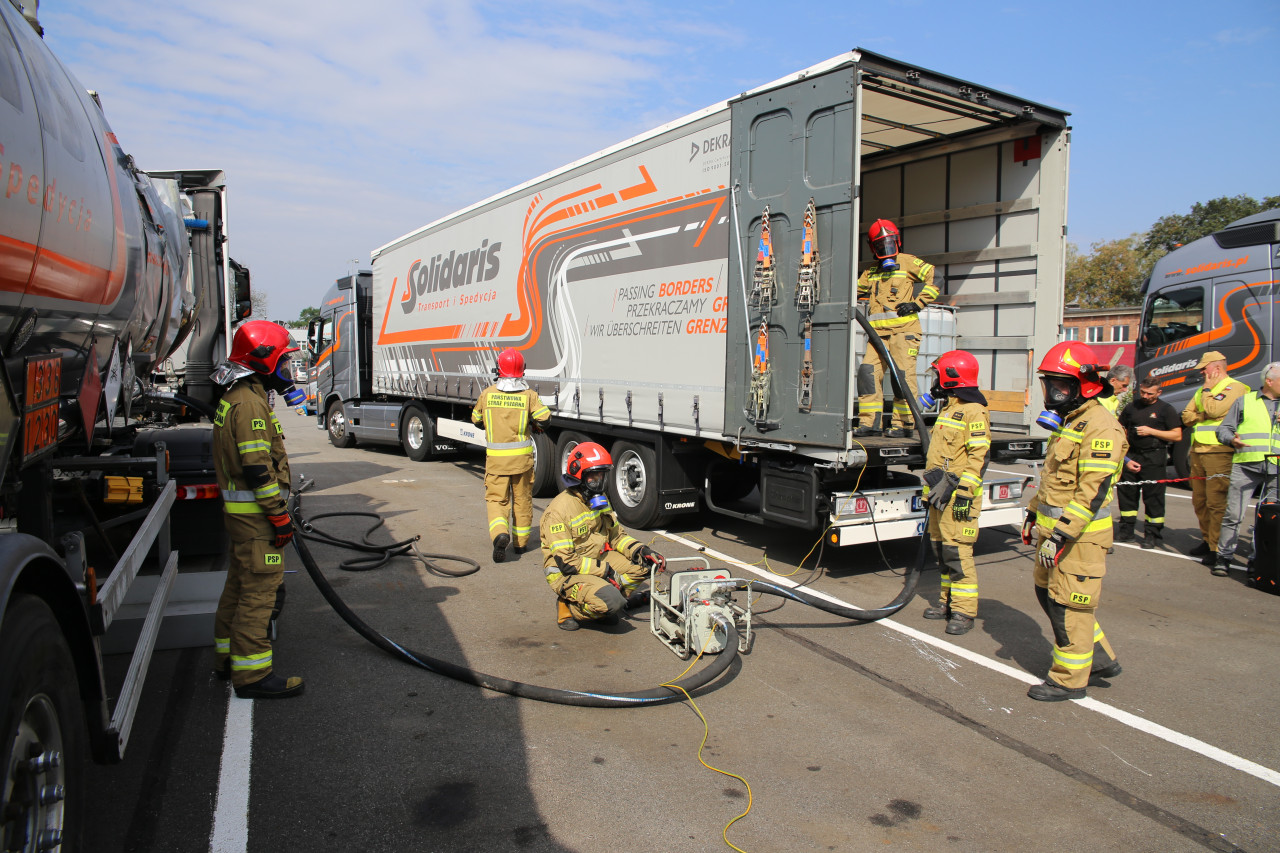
(1210, 460)
(1252, 429)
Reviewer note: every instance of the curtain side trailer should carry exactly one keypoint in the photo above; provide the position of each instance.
(627, 280)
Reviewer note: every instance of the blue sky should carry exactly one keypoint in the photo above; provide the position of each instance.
(342, 126)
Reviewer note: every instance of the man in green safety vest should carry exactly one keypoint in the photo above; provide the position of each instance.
(1252, 427)
(1210, 460)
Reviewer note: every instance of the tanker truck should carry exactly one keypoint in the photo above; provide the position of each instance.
(105, 475)
(687, 298)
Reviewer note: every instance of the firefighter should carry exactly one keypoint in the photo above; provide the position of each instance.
(508, 409)
(892, 305)
(1071, 515)
(1209, 458)
(1151, 427)
(958, 448)
(253, 474)
(591, 564)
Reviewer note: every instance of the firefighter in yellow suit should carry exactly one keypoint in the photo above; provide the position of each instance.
(1210, 460)
(1071, 514)
(590, 562)
(892, 307)
(959, 445)
(253, 474)
(508, 410)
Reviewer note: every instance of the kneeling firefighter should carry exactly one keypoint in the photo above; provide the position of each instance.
(959, 445)
(253, 474)
(1071, 515)
(591, 564)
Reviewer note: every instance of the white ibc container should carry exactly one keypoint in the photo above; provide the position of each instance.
(938, 335)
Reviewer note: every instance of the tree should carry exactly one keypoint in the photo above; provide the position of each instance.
(1175, 230)
(305, 316)
(258, 300)
(1111, 274)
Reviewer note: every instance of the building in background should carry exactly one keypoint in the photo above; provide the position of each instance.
(1105, 330)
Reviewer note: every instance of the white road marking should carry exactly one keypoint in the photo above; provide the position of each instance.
(1209, 751)
(231, 813)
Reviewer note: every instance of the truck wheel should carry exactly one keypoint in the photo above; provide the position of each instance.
(339, 435)
(43, 734)
(417, 434)
(633, 488)
(567, 442)
(544, 465)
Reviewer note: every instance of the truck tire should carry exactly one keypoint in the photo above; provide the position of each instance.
(417, 434)
(43, 719)
(567, 441)
(336, 420)
(633, 488)
(544, 465)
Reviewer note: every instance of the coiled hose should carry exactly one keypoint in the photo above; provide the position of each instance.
(590, 699)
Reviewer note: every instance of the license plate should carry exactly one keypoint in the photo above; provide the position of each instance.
(917, 503)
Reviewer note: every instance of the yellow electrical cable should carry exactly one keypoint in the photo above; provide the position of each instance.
(706, 732)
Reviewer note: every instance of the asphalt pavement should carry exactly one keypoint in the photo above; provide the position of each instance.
(850, 736)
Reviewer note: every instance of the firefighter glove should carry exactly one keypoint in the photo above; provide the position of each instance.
(1028, 527)
(940, 495)
(962, 507)
(906, 309)
(1051, 550)
(647, 556)
(284, 529)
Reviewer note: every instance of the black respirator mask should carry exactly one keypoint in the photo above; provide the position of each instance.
(282, 383)
(593, 488)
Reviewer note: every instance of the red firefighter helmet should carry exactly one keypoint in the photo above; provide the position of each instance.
(1077, 361)
(585, 458)
(510, 364)
(884, 239)
(259, 345)
(957, 369)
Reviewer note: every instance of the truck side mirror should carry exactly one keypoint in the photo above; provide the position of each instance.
(243, 306)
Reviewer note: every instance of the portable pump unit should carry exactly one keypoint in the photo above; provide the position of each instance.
(690, 610)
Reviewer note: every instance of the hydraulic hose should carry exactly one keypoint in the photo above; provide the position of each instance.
(590, 699)
(873, 338)
(381, 553)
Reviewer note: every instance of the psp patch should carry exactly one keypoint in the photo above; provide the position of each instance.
(274, 559)
(556, 528)
(1102, 444)
(1081, 598)
(258, 423)
(970, 531)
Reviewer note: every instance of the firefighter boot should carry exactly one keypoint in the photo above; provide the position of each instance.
(564, 618)
(959, 624)
(272, 687)
(1051, 691)
(500, 543)
(1152, 539)
(638, 599)
(1124, 532)
(897, 432)
(938, 611)
(1110, 670)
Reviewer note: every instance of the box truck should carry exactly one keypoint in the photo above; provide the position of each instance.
(688, 298)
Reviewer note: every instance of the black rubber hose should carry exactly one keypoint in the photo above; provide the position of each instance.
(381, 553)
(590, 699)
(908, 590)
(873, 338)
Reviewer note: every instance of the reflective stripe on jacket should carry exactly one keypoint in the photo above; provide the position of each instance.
(960, 442)
(885, 291)
(1204, 414)
(1258, 429)
(1082, 463)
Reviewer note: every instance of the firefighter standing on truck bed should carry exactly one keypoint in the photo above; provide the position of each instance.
(1209, 458)
(590, 562)
(958, 448)
(508, 409)
(253, 474)
(1070, 512)
(892, 307)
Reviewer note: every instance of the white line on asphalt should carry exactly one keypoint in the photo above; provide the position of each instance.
(1209, 751)
(231, 813)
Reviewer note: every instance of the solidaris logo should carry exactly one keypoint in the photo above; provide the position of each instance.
(456, 269)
